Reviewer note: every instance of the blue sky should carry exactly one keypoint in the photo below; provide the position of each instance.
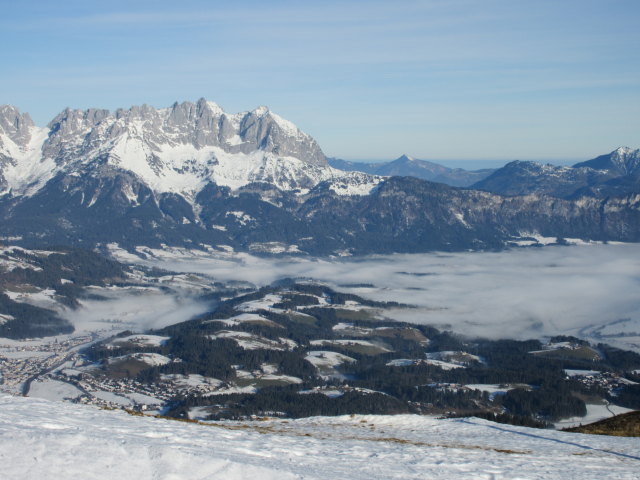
(443, 80)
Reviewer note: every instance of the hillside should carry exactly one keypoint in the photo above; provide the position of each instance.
(614, 174)
(406, 166)
(625, 425)
(86, 442)
(302, 349)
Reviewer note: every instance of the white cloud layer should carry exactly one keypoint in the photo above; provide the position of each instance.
(521, 293)
(136, 310)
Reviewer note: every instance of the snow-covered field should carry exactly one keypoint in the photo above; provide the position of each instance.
(594, 414)
(250, 341)
(87, 443)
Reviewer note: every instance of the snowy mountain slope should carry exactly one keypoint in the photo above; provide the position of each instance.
(22, 168)
(622, 161)
(177, 149)
(96, 444)
(397, 214)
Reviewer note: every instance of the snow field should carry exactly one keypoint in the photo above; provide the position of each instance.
(595, 413)
(325, 358)
(139, 340)
(350, 342)
(151, 359)
(246, 318)
(87, 443)
(250, 341)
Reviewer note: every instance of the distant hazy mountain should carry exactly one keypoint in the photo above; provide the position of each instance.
(349, 166)
(614, 174)
(621, 162)
(406, 166)
(191, 174)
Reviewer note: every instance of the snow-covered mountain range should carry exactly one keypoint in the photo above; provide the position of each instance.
(192, 174)
(177, 149)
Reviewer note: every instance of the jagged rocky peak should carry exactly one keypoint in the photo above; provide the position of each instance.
(262, 129)
(17, 126)
(176, 149)
(70, 120)
(201, 124)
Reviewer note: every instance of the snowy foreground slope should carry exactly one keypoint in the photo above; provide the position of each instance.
(40, 439)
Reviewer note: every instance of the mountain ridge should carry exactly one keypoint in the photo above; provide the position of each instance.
(162, 176)
(407, 166)
(613, 174)
(623, 160)
(178, 148)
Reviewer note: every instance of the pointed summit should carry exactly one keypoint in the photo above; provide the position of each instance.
(206, 105)
(260, 111)
(17, 126)
(405, 158)
(623, 150)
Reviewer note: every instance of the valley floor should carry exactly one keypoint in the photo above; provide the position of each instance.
(43, 440)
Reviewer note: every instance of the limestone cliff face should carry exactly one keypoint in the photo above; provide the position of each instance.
(177, 149)
(200, 125)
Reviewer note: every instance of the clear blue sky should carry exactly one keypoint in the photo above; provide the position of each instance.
(449, 79)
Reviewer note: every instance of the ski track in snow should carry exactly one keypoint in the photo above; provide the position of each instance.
(79, 441)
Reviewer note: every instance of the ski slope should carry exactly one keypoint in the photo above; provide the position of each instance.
(45, 440)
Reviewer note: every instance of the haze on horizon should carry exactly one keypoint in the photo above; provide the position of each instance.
(446, 80)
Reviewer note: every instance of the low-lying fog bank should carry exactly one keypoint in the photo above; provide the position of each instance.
(589, 291)
(137, 310)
